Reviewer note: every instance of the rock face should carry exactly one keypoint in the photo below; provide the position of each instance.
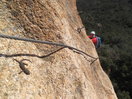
(62, 75)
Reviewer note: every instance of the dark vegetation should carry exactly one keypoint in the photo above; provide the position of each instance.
(112, 21)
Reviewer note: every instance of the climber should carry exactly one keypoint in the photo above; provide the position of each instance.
(95, 39)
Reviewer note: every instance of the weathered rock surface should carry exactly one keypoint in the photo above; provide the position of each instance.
(63, 75)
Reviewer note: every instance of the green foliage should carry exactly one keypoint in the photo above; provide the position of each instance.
(112, 20)
(123, 95)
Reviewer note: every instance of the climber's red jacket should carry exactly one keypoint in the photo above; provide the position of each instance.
(94, 39)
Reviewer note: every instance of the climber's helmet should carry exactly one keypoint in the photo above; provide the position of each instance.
(92, 32)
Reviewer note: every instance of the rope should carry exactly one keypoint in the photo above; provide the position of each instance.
(30, 55)
(44, 42)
